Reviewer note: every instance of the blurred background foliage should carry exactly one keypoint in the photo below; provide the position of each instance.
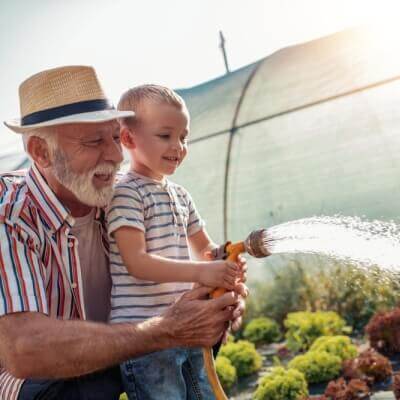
(314, 283)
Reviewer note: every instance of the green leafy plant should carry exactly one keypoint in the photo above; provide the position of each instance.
(317, 366)
(340, 346)
(281, 384)
(262, 330)
(226, 372)
(243, 356)
(304, 327)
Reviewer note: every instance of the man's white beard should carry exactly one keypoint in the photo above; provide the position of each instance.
(81, 185)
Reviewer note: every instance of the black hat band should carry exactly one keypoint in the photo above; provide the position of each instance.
(66, 110)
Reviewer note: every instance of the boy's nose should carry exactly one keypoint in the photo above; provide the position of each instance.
(178, 146)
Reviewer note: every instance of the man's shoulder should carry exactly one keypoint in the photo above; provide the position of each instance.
(11, 181)
(12, 185)
(13, 176)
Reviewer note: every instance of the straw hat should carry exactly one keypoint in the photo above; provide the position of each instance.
(63, 95)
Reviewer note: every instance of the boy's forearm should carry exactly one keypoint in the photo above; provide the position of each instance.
(210, 247)
(201, 244)
(160, 269)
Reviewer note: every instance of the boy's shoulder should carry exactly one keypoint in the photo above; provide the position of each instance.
(179, 189)
(134, 182)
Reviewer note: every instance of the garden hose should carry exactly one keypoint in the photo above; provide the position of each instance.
(255, 245)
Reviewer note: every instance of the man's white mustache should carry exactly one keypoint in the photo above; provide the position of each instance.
(105, 169)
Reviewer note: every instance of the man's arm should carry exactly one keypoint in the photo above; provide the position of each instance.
(36, 346)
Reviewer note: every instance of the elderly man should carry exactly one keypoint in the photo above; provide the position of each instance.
(54, 278)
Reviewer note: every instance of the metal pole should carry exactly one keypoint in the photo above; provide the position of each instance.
(222, 47)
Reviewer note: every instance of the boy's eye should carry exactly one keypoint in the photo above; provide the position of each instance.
(184, 139)
(164, 135)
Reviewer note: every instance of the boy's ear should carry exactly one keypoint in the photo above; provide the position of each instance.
(127, 138)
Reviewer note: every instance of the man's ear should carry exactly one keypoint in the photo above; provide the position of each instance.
(39, 150)
(127, 138)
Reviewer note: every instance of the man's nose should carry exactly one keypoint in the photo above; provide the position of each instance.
(113, 152)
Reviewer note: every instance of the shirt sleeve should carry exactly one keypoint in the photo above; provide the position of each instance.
(195, 222)
(126, 209)
(21, 274)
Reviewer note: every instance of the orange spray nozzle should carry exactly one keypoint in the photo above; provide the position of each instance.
(255, 245)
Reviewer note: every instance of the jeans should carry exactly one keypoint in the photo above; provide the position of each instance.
(173, 374)
(102, 385)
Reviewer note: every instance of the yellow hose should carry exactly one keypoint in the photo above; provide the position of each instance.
(233, 251)
(212, 374)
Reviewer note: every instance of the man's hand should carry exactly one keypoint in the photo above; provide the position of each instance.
(237, 311)
(240, 288)
(196, 320)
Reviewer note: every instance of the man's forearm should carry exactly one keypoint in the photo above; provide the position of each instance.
(36, 346)
(48, 348)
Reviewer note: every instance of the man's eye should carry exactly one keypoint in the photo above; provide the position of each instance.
(184, 139)
(117, 138)
(94, 142)
(164, 135)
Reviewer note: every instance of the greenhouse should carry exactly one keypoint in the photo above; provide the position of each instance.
(309, 130)
(312, 129)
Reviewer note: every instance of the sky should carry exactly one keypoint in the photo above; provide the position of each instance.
(174, 42)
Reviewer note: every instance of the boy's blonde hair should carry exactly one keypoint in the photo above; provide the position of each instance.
(132, 98)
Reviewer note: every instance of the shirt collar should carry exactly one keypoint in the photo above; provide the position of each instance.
(52, 209)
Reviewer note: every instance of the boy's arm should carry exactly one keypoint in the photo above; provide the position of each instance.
(132, 247)
(201, 243)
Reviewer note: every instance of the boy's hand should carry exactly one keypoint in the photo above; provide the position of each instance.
(220, 273)
(241, 262)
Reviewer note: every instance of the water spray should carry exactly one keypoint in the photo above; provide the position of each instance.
(347, 239)
(256, 245)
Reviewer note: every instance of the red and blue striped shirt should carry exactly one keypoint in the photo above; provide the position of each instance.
(39, 260)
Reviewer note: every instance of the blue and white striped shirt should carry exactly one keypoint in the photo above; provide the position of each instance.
(166, 214)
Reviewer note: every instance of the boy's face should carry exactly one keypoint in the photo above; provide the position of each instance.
(160, 139)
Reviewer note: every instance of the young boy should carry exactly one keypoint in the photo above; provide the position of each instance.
(153, 227)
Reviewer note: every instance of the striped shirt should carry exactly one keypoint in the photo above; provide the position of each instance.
(39, 260)
(166, 214)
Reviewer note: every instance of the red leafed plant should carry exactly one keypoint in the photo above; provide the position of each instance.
(396, 386)
(355, 389)
(369, 366)
(383, 331)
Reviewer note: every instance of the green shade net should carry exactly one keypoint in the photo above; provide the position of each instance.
(314, 130)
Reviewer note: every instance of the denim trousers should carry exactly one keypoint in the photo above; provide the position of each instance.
(102, 385)
(173, 374)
